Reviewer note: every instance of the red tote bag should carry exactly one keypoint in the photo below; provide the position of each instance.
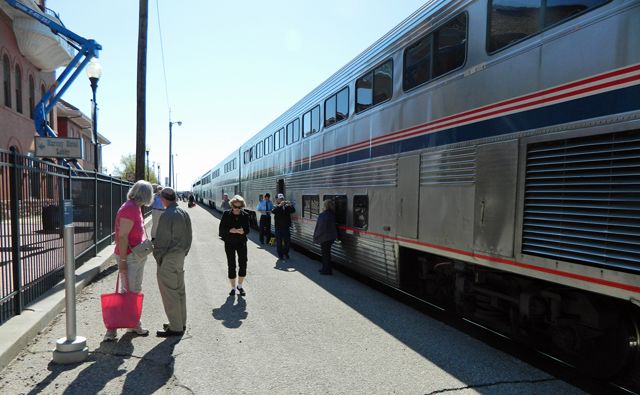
(121, 310)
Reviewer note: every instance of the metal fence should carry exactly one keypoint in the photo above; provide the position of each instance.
(31, 245)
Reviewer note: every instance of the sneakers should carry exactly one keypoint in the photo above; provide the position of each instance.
(241, 292)
(139, 330)
(233, 292)
(111, 335)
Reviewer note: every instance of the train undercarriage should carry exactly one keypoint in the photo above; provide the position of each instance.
(597, 334)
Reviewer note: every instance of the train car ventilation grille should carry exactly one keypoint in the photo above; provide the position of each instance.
(582, 200)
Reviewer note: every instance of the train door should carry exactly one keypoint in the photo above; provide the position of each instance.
(280, 187)
(408, 196)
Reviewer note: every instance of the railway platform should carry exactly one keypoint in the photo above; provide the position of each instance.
(295, 332)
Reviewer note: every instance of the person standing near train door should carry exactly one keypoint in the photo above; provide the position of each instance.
(264, 208)
(225, 202)
(282, 216)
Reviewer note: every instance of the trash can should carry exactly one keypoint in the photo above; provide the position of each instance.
(50, 217)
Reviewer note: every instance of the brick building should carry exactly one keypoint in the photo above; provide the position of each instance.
(29, 55)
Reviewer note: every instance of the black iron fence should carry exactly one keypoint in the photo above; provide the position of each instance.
(31, 246)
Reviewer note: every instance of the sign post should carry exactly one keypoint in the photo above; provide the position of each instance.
(70, 349)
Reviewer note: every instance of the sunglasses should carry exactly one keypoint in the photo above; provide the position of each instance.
(237, 207)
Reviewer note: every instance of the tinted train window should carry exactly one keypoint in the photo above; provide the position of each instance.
(436, 54)
(268, 145)
(278, 139)
(340, 205)
(375, 87)
(360, 211)
(293, 131)
(511, 21)
(310, 206)
(311, 121)
(259, 150)
(336, 108)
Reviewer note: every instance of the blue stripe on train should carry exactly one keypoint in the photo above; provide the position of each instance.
(603, 104)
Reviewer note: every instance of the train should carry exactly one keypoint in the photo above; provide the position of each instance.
(483, 156)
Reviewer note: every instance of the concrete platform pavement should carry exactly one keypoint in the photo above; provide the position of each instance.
(296, 332)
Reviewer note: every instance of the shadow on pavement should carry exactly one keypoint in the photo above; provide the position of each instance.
(231, 315)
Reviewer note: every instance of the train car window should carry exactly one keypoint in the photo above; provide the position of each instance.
(330, 111)
(278, 139)
(340, 203)
(259, 151)
(310, 206)
(435, 54)
(268, 145)
(293, 131)
(511, 21)
(375, 87)
(342, 105)
(311, 121)
(336, 108)
(360, 211)
(450, 46)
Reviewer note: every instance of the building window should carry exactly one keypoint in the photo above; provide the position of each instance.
(32, 96)
(340, 207)
(310, 206)
(436, 54)
(360, 211)
(293, 131)
(374, 87)
(7, 80)
(18, 89)
(311, 121)
(336, 108)
(511, 21)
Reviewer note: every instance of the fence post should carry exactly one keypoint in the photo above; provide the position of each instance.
(14, 184)
(111, 237)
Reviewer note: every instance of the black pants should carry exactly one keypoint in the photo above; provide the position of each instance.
(241, 249)
(325, 246)
(265, 227)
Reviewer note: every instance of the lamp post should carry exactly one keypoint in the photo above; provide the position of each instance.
(170, 157)
(146, 150)
(94, 71)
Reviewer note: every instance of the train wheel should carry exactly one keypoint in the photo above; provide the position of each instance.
(605, 355)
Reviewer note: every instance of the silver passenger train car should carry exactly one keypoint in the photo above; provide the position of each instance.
(484, 155)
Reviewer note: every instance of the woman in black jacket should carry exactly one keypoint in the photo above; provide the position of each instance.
(325, 234)
(234, 228)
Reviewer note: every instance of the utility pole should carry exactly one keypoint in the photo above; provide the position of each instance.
(142, 89)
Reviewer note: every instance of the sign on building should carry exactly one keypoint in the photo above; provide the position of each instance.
(58, 147)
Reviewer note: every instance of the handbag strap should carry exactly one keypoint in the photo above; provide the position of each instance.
(145, 233)
(126, 278)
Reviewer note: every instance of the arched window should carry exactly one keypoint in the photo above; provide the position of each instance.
(18, 89)
(7, 81)
(32, 96)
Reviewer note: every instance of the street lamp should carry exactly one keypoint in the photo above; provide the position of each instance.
(170, 157)
(94, 71)
(147, 149)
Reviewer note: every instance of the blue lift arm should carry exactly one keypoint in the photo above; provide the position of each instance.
(87, 49)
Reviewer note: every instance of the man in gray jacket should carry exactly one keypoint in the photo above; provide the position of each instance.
(173, 241)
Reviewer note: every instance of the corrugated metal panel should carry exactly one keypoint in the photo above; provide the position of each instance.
(582, 200)
(373, 256)
(457, 166)
(361, 174)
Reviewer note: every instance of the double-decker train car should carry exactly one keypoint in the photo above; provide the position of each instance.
(483, 155)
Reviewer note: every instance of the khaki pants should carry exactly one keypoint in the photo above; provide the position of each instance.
(171, 283)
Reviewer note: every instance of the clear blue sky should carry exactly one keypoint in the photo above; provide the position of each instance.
(231, 67)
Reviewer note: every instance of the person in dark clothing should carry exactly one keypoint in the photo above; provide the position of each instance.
(234, 228)
(264, 208)
(282, 216)
(325, 234)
